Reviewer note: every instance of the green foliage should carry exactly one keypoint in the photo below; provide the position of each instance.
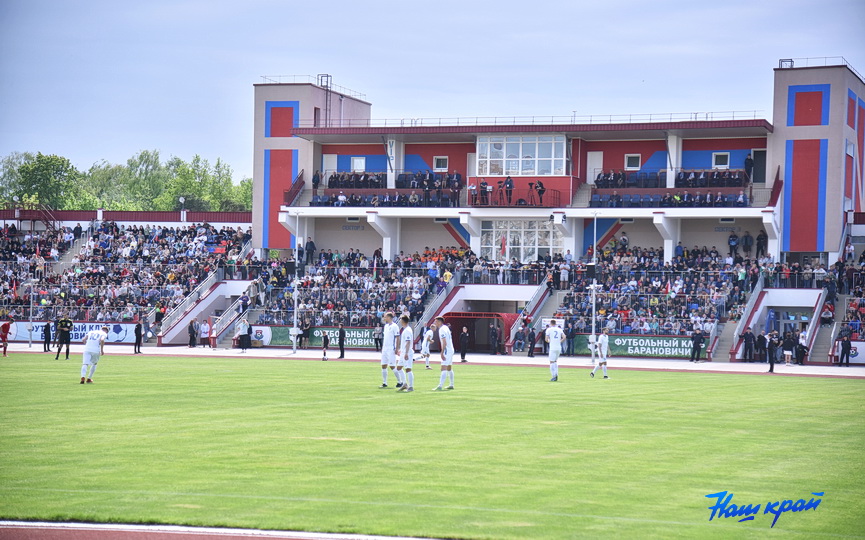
(274, 443)
(143, 183)
(51, 178)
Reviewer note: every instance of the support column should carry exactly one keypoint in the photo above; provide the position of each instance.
(473, 226)
(396, 159)
(670, 232)
(566, 227)
(389, 229)
(773, 232)
(575, 241)
(674, 158)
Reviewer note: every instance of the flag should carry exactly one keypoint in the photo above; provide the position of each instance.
(504, 245)
(374, 267)
(669, 290)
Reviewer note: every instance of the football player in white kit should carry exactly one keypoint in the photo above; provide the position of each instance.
(425, 343)
(554, 336)
(406, 354)
(390, 343)
(447, 354)
(603, 347)
(94, 346)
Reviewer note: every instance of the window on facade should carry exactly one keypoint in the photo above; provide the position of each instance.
(358, 164)
(720, 160)
(633, 162)
(440, 163)
(524, 240)
(521, 156)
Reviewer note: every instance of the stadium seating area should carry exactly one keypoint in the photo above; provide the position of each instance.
(721, 198)
(695, 178)
(387, 197)
(346, 288)
(121, 272)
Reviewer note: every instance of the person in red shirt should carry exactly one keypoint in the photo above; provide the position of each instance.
(5, 328)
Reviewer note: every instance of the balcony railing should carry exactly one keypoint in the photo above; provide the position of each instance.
(515, 198)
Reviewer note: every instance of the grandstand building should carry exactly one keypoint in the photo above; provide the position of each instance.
(600, 175)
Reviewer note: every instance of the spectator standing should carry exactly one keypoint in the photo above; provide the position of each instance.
(309, 248)
(46, 337)
(802, 349)
(749, 168)
(464, 343)
(192, 331)
(761, 344)
(509, 189)
(376, 337)
(749, 342)
(733, 242)
(138, 338)
(204, 333)
(531, 338)
(774, 343)
(762, 243)
(846, 346)
(494, 339)
(697, 341)
(789, 345)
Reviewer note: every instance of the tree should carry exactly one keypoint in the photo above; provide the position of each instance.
(10, 178)
(51, 178)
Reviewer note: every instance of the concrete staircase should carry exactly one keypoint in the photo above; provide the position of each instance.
(822, 344)
(551, 304)
(582, 197)
(726, 339)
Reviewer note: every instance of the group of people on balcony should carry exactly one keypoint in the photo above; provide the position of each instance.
(350, 180)
(502, 194)
(677, 199)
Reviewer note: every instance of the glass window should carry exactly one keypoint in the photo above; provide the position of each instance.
(720, 160)
(545, 150)
(632, 162)
(440, 163)
(545, 167)
(522, 156)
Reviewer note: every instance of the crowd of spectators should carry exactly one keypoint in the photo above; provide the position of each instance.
(419, 189)
(686, 178)
(121, 273)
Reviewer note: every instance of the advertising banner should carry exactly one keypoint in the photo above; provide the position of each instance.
(641, 346)
(117, 332)
(282, 336)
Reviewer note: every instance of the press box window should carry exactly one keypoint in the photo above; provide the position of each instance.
(720, 160)
(632, 162)
(358, 164)
(440, 163)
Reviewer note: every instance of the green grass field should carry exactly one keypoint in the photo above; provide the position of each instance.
(282, 444)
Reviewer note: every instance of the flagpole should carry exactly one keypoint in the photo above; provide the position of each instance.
(296, 279)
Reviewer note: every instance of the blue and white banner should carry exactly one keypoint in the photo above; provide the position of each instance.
(117, 332)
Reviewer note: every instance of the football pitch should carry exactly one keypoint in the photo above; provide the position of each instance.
(314, 446)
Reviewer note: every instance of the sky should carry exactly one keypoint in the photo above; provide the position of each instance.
(103, 80)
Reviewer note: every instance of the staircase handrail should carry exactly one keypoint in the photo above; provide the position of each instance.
(191, 299)
(743, 320)
(436, 303)
(231, 313)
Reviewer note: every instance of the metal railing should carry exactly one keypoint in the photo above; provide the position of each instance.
(563, 120)
(232, 312)
(531, 307)
(191, 299)
(291, 195)
(519, 198)
(817, 61)
(434, 305)
(309, 79)
(743, 320)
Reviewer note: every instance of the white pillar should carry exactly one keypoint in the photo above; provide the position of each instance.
(389, 229)
(773, 232)
(396, 159)
(473, 226)
(674, 159)
(669, 229)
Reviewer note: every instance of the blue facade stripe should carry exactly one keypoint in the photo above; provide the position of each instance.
(458, 227)
(821, 195)
(788, 193)
(604, 226)
(293, 178)
(265, 226)
(794, 89)
(268, 105)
